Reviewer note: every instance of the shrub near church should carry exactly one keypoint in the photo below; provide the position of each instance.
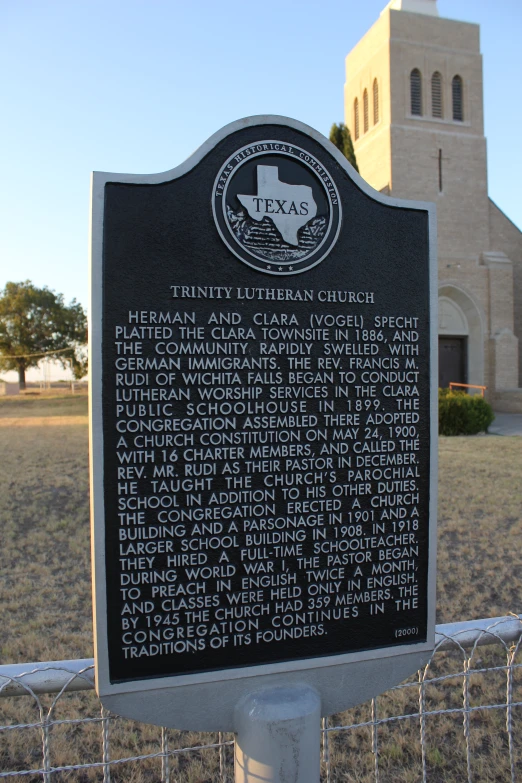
(462, 414)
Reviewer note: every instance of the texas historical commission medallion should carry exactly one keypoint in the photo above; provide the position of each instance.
(276, 207)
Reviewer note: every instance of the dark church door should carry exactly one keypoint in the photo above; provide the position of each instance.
(452, 361)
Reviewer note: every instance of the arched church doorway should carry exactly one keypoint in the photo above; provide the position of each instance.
(461, 347)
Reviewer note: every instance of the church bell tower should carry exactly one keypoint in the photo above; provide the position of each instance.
(414, 107)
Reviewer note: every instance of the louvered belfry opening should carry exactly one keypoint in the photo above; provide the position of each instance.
(456, 93)
(375, 102)
(436, 95)
(416, 92)
(356, 118)
(365, 110)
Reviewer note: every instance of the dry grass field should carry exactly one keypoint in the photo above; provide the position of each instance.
(46, 607)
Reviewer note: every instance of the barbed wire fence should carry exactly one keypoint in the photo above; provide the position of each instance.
(456, 719)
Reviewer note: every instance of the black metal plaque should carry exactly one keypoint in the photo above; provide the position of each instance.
(264, 412)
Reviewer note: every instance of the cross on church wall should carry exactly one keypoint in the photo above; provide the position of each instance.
(439, 157)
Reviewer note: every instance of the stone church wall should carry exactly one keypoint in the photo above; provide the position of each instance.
(506, 237)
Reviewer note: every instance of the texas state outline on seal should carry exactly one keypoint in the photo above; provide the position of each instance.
(289, 207)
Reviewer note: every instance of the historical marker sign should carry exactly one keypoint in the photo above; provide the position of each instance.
(262, 403)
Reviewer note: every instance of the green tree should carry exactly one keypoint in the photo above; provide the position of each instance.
(35, 323)
(341, 137)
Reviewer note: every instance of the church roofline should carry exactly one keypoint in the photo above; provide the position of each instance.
(504, 214)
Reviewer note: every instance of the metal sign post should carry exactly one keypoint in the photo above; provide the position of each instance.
(277, 735)
(263, 433)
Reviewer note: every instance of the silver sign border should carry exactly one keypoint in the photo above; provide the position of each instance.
(206, 701)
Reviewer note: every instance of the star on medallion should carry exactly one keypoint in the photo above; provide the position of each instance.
(269, 266)
(291, 268)
(280, 268)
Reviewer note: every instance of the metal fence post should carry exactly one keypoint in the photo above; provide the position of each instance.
(278, 734)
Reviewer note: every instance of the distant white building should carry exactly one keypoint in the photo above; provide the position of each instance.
(8, 389)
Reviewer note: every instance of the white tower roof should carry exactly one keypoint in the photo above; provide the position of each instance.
(428, 7)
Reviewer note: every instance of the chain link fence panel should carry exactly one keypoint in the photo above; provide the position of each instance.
(456, 719)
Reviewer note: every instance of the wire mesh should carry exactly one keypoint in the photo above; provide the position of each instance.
(456, 719)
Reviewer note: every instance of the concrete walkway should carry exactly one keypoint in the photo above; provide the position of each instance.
(506, 424)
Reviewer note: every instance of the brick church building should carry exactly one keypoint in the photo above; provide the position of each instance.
(414, 107)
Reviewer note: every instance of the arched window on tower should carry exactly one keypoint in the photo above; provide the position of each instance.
(416, 92)
(436, 95)
(375, 102)
(356, 118)
(365, 110)
(457, 97)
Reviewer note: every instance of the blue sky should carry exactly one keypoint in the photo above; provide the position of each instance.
(137, 85)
